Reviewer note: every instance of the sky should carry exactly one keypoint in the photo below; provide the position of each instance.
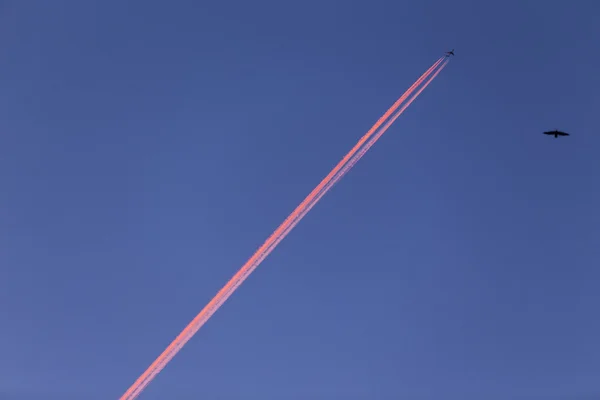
(148, 148)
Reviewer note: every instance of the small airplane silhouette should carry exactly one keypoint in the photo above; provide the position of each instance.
(450, 53)
(556, 133)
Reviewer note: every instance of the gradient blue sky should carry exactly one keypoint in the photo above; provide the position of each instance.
(148, 148)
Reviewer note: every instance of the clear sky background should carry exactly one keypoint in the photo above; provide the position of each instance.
(148, 148)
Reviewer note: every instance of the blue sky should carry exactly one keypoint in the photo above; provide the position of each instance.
(147, 149)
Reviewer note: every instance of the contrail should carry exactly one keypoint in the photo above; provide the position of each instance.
(349, 164)
(394, 117)
(290, 222)
(352, 156)
(353, 160)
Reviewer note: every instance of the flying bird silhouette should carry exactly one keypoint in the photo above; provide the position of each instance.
(556, 133)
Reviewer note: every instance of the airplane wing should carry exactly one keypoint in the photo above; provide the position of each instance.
(563, 134)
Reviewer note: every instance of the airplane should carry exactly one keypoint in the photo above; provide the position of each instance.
(556, 133)
(449, 53)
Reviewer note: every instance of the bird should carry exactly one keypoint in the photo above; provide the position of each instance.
(556, 133)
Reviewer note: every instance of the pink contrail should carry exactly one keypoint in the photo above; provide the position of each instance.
(353, 160)
(394, 117)
(356, 156)
(263, 251)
